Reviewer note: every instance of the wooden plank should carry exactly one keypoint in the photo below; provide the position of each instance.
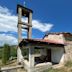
(10, 68)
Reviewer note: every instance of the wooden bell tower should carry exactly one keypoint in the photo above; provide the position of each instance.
(23, 11)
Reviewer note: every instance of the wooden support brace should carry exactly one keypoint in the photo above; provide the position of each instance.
(23, 23)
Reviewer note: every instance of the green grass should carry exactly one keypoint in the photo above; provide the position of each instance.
(55, 70)
(68, 64)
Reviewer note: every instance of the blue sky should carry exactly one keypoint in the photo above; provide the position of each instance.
(48, 16)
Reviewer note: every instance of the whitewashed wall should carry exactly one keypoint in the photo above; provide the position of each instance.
(57, 55)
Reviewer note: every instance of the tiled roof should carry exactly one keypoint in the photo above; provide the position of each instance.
(46, 41)
(41, 41)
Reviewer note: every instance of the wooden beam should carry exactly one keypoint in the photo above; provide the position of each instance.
(40, 45)
(23, 23)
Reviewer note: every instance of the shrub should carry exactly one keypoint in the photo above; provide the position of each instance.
(13, 51)
(0, 53)
(5, 53)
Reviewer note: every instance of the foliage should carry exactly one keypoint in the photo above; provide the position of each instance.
(5, 53)
(1, 53)
(68, 64)
(13, 51)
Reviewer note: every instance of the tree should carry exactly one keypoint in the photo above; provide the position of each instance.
(5, 53)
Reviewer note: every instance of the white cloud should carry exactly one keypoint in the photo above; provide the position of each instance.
(8, 22)
(8, 39)
(42, 26)
(5, 11)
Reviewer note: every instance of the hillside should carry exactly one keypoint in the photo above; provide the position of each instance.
(66, 68)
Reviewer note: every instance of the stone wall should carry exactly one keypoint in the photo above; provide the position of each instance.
(68, 52)
(54, 37)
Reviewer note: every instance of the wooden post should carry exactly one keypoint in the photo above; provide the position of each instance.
(19, 54)
(19, 25)
(31, 60)
(22, 11)
(31, 50)
(30, 23)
